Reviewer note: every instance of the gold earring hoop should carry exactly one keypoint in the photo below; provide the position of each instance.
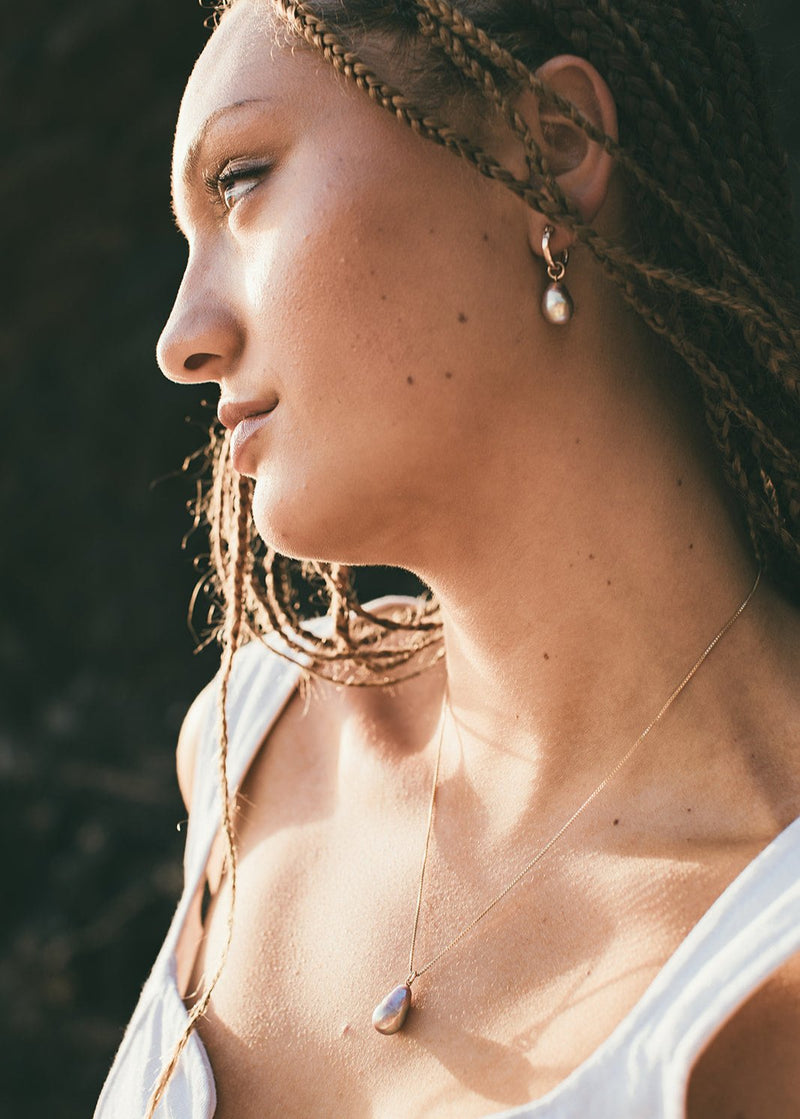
(557, 305)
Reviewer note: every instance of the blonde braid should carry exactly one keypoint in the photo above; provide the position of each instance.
(240, 563)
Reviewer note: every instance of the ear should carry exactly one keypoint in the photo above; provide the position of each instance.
(583, 169)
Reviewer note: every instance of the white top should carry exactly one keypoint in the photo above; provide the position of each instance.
(642, 1069)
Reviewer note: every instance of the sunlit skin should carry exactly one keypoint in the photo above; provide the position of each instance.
(555, 487)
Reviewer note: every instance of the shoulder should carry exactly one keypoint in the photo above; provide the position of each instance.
(750, 1067)
(189, 739)
(261, 680)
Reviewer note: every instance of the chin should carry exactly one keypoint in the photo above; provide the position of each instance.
(327, 527)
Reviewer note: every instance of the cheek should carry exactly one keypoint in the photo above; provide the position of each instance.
(360, 317)
(389, 376)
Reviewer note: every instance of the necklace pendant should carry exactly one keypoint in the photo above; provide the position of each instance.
(389, 1016)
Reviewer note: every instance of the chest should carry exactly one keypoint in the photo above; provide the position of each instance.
(322, 931)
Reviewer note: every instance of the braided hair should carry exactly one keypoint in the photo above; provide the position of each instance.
(709, 267)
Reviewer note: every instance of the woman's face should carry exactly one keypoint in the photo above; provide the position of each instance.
(371, 292)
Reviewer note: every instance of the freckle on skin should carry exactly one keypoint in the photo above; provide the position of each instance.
(449, 375)
(691, 546)
(577, 441)
(462, 317)
(547, 656)
(591, 555)
(608, 582)
(410, 380)
(616, 822)
(383, 297)
(680, 481)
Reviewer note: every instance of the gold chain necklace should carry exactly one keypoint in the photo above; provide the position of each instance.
(390, 1014)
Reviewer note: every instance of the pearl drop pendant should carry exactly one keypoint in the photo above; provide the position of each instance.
(557, 305)
(389, 1016)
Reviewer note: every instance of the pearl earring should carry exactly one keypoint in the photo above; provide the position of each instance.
(557, 305)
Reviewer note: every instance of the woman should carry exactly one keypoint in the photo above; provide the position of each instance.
(559, 831)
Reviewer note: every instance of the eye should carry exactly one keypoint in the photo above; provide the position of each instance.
(229, 185)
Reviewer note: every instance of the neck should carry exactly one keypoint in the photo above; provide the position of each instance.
(576, 603)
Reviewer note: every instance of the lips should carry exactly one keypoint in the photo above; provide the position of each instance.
(232, 412)
(244, 419)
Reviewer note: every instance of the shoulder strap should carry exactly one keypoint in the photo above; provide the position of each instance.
(746, 936)
(643, 1067)
(260, 686)
(261, 683)
(748, 933)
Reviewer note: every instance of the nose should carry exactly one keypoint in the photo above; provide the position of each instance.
(201, 338)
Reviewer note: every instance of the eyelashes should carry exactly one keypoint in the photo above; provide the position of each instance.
(232, 181)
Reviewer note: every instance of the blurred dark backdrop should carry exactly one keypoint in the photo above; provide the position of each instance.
(96, 660)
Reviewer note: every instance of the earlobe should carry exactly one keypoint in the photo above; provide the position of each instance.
(582, 167)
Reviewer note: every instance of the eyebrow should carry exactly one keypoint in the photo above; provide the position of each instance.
(192, 161)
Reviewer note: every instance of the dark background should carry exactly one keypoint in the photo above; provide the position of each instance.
(96, 659)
